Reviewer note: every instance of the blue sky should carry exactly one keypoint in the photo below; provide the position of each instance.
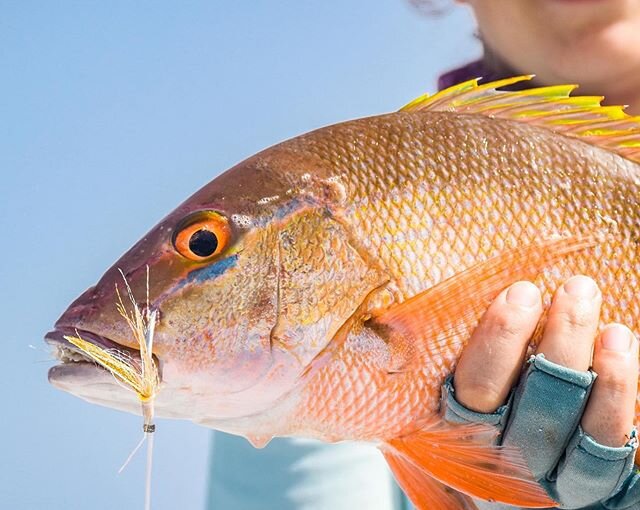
(111, 113)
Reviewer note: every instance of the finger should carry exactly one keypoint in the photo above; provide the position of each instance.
(491, 362)
(610, 412)
(572, 324)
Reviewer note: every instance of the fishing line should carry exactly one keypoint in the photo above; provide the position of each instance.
(51, 357)
(149, 433)
(140, 377)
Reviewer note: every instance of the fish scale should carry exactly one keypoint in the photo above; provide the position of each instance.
(542, 189)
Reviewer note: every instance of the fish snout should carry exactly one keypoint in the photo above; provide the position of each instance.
(94, 311)
(81, 307)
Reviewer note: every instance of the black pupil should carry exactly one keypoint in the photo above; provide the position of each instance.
(203, 243)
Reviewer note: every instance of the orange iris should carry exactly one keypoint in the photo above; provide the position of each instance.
(202, 236)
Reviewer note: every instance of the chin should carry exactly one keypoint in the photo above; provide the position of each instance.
(600, 60)
(588, 14)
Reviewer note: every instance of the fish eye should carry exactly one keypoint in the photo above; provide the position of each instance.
(202, 236)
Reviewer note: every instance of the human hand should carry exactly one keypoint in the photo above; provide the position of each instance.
(548, 408)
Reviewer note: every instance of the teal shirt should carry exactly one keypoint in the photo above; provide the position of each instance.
(300, 474)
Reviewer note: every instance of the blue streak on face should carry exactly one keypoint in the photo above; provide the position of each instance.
(211, 271)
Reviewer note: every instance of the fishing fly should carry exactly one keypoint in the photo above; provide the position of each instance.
(141, 376)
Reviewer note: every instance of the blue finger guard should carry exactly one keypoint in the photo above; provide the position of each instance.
(454, 412)
(591, 472)
(548, 406)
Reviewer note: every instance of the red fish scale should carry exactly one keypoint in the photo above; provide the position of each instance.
(430, 194)
(357, 407)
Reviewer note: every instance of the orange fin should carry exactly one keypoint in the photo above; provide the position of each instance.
(431, 321)
(464, 458)
(424, 491)
(551, 107)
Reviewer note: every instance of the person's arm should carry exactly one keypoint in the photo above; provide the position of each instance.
(575, 430)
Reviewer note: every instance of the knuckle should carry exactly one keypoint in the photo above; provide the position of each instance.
(616, 383)
(577, 317)
(607, 429)
(504, 325)
(479, 394)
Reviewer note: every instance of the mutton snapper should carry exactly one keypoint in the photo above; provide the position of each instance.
(326, 286)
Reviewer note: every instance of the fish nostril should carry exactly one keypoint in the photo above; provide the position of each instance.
(80, 309)
(73, 315)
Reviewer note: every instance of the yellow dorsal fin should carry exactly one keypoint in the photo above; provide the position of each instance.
(552, 107)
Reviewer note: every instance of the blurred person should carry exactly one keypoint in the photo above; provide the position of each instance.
(594, 43)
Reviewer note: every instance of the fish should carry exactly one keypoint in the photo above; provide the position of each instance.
(326, 286)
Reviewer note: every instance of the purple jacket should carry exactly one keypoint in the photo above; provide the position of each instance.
(488, 68)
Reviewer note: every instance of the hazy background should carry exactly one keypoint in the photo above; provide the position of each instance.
(111, 113)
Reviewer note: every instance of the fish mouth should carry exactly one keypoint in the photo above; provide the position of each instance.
(69, 355)
(77, 374)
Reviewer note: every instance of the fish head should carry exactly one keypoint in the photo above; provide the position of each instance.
(251, 278)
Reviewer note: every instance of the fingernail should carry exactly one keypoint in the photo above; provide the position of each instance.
(581, 286)
(523, 294)
(616, 338)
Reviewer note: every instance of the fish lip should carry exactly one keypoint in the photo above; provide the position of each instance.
(56, 339)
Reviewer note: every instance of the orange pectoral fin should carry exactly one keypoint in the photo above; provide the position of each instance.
(462, 457)
(429, 322)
